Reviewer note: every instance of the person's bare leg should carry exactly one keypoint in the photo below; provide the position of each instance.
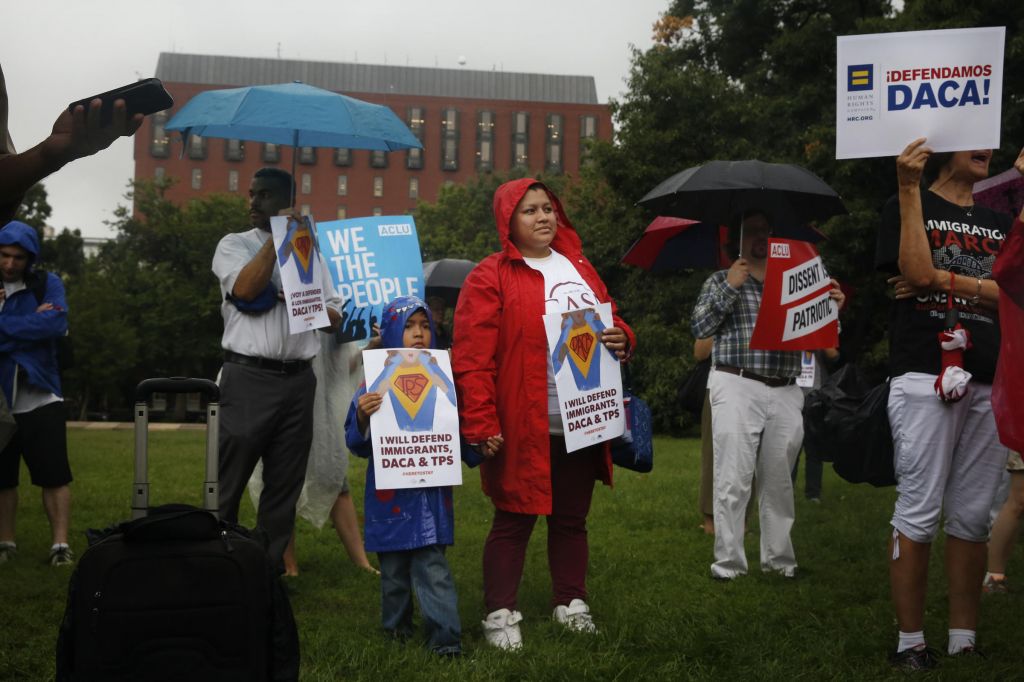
(1006, 527)
(965, 569)
(908, 580)
(346, 525)
(291, 566)
(708, 524)
(57, 504)
(8, 512)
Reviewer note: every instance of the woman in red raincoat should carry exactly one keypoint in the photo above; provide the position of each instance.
(508, 407)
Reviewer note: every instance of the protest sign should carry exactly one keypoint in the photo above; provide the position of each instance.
(587, 376)
(415, 433)
(796, 311)
(298, 259)
(892, 88)
(372, 261)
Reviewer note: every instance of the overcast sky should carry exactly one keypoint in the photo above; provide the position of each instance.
(58, 51)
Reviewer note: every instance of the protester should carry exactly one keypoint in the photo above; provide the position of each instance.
(267, 384)
(509, 407)
(1006, 396)
(33, 315)
(408, 528)
(701, 352)
(822, 363)
(755, 408)
(940, 247)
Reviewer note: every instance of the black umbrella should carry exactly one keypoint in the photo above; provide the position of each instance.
(444, 277)
(719, 190)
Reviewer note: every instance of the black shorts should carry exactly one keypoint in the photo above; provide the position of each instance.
(42, 440)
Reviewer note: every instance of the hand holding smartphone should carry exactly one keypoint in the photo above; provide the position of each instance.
(142, 97)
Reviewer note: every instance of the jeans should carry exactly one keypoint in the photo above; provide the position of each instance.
(425, 571)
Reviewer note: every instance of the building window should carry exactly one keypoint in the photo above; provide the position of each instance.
(378, 159)
(588, 131)
(378, 186)
(415, 119)
(520, 138)
(450, 140)
(485, 140)
(271, 153)
(342, 185)
(553, 144)
(343, 156)
(342, 213)
(414, 188)
(159, 145)
(307, 155)
(307, 183)
(197, 178)
(305, 210)
(234, 150)
(378, 211)
(232, 181)
(196, 147)
(158, 173)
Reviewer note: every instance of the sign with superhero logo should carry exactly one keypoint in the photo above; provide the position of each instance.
(415, 433)
(586, 375)
(302, 272)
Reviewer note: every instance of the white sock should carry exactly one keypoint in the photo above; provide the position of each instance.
(59, 545)
(909, 640)
(960, 639)
(8, 543)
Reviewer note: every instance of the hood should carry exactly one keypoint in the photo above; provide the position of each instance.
(25, 236)
(508, 196)
(394, 317)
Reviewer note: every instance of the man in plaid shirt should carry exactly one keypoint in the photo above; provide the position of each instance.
(756, 407)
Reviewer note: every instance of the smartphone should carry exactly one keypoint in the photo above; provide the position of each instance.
(145, 97)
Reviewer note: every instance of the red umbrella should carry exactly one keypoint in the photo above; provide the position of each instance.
(677, 243)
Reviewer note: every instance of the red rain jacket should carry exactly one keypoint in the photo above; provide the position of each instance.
(499, 358)
(1008, 385)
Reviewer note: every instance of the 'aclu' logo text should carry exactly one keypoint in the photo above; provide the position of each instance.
(394, 230)
(779, 251)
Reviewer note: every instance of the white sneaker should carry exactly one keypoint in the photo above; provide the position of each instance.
(501, 629)
(575, 616)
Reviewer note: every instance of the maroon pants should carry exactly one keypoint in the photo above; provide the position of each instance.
(572, 487)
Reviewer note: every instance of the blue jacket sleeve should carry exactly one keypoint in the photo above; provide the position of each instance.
(266, 300)
(354, 439)
(50, 324)
(713, 305)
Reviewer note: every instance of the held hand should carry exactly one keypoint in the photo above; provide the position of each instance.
(837, 295)
(78, 133)
(902, 289)
(43, 307)
(368, 403)
(491, 446)
(910, 163)
(738, 273)
(615, 340)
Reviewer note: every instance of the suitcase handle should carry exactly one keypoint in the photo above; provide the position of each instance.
(145, 389)
(148, 387)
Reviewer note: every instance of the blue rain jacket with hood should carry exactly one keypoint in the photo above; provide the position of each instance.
(403, 519)
(29, 339)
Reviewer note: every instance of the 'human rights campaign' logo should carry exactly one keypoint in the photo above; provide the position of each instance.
(860, 77)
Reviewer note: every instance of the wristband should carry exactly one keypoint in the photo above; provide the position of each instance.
(974, 300)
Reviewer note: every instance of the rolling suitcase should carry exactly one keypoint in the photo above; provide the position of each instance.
(174, 593)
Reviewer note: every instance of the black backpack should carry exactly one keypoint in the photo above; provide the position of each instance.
(64, 347)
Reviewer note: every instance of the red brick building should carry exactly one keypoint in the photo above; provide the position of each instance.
(469, 122)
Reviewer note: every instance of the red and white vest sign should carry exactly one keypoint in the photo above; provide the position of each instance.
(796, 311)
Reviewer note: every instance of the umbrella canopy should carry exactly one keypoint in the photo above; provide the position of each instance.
(444, 277)
(717, 191)
(1003, 192)
(669, 244)
(293, 114)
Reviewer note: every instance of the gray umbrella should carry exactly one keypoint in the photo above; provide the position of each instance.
(444, 277)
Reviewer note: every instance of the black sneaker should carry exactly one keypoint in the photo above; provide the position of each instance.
(917, 658)
(970, 652)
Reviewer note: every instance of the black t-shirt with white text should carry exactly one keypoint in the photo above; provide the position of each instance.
(964, 241)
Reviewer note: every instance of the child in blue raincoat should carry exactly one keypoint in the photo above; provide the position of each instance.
(408, 528)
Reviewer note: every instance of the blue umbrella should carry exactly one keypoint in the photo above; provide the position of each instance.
(293, 114)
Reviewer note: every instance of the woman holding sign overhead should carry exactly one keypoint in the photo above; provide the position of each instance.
(509, 408)
(943, 345)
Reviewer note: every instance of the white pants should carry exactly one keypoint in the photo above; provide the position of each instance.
(759, 430)
(948, 459)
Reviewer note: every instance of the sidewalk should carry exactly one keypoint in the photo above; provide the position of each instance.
(129, 426)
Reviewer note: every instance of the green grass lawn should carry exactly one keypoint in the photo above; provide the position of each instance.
(661, 616)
